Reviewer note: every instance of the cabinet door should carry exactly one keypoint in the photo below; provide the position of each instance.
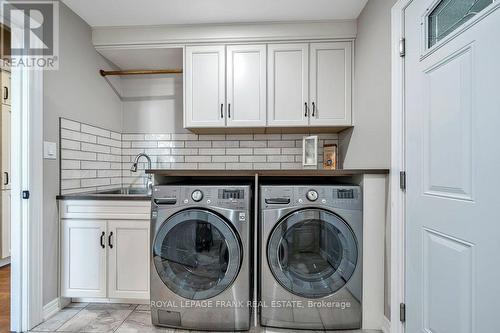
(246, 85)
(6, 88)
(128, 248)
(204, 83)
(330, 83)
(5, 147)
(83, 258)
(288, 85)
(5, 224)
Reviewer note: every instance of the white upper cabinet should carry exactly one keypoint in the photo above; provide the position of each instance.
(5, 147)
(330, 84)
(288, 85)
(296, 85)
(246, 85)
(205, 86)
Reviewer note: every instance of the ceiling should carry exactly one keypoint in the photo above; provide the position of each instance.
(157, 12)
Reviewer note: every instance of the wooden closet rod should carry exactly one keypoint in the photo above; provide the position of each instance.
(141, 72)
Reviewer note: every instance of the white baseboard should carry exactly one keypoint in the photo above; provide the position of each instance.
(109, 300)
(4, 262)
(51, 308)
(386, 325)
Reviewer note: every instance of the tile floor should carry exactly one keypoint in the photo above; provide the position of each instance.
(5, 298)
(120, 318)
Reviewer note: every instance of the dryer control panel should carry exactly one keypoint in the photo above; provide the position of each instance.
(340, 196)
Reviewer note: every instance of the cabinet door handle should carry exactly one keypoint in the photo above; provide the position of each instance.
(6, 94)
(305, 109)
(229, 110)
(314, 109)
(6, 180)
(102, 240)
(109, 240)
(222, 110)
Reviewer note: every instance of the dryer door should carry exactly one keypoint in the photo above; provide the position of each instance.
(312, 253)
(197, 254)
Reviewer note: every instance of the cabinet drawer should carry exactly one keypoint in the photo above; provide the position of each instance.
(105, 209)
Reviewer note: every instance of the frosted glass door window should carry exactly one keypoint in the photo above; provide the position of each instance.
(448, 15)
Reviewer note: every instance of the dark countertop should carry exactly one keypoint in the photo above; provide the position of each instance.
(266, 173)
(103, 196)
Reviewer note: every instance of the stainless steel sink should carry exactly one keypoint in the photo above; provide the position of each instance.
(124, 191)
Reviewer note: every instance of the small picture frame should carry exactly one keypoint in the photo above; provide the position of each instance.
(310, 151)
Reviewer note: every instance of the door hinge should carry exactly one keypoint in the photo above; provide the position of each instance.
(26, 195)
(402, 312)
(402, 180)
(402, 47)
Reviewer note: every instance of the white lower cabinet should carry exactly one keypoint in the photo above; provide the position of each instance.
(84, 255)
(128, 259)
(105, 258)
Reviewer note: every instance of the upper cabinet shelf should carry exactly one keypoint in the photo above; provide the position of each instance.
(286, 85)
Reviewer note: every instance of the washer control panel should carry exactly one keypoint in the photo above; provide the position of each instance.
(231, 197)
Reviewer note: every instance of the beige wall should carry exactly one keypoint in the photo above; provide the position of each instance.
(367, 145)
(75, 91)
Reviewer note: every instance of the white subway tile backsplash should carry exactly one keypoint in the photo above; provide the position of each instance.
(253, 158)
(157, 137)
(239, 151)
(224, 158)
(144, 144)
(94, 158)
(198, 144)
(185, 137)
(198, 158)
(95, 148)
(171, 144)
(280, 158)
(266, 151)
(70, 124)
(95, 131)
(212, 151)
(132, 137)
(69, 144)
(225, 144)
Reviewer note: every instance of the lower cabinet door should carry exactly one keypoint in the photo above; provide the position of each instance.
(128, 247)
(83, 245)
(5, 225)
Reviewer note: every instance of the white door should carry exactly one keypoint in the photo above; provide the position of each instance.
(5, 147)
(452, 155)
(83, 250)
(288, 84)
(330, 84)
(128, 247)
(246, 85)
(6, 88)
(5, 224)
(205, 86)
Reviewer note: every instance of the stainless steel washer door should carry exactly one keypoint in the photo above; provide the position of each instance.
(312, 253)
(197, 254)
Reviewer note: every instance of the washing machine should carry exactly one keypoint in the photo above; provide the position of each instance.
(311, 257)
(200, 273)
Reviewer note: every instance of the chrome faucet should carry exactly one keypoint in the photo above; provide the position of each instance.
(133, 168)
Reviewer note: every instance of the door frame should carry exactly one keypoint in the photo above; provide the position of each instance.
(398, 153)
(27, 162)
(398, 159)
